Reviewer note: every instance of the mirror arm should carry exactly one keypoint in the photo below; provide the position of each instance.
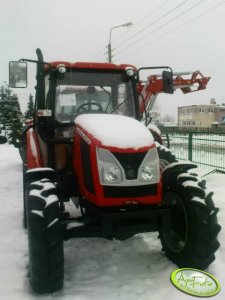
(34, 61)
(152, 68)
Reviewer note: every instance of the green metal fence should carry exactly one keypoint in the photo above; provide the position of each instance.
(204, 148)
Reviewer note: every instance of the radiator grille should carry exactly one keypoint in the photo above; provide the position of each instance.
(130, 163)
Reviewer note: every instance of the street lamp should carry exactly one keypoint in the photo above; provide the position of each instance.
(109, 44)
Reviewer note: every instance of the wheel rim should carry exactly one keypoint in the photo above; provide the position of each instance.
(176, 237)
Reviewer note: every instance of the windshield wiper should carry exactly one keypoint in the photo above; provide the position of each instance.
(115, 108)
(109, 94)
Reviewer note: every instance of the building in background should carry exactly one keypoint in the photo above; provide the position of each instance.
(202, 116)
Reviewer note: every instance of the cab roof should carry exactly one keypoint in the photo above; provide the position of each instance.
(89, 65)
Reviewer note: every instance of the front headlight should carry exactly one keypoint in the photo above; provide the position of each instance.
(147, 173)
(149, 170)
(109, 169)
(112, 174)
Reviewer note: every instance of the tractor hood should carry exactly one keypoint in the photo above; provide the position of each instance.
(113, 131)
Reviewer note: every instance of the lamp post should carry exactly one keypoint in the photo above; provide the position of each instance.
(110, 33)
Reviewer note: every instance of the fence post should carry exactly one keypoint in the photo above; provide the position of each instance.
(190, 146)
(168, 140)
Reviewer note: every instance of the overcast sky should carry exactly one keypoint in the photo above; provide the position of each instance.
(184, 34)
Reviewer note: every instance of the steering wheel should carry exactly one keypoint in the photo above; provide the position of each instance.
(82, 108)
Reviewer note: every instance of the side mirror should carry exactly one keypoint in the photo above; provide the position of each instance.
(3, 139)
(167, 77)
(17, 74)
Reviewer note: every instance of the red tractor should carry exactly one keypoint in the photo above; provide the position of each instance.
(87, 145)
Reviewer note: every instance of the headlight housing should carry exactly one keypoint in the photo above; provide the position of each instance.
(149, 170)
(112, 173)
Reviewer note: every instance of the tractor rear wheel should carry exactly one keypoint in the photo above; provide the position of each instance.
(191, 242)
(45, 237)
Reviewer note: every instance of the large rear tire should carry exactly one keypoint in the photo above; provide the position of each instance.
(45, 237)
(191, 242)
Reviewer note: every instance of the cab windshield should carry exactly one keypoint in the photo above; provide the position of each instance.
(88, 92)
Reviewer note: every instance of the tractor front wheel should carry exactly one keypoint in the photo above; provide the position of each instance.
(44, 237)
(191, 241)
(165, 156)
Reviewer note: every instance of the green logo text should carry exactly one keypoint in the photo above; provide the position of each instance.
(195, 282)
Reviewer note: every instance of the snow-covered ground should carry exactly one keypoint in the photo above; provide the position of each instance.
(99, 269)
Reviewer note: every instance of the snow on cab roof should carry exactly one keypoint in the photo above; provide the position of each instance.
(116, 130)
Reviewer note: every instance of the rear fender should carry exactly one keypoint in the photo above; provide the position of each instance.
(170, 173)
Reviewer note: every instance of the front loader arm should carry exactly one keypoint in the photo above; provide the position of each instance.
(186, 81)
(197, 82)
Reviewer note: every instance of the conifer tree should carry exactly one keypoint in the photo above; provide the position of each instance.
(30, 109)
(10, 115)
(2, 106)
(14, 128)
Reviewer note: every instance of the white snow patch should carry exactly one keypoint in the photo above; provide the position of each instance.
(212, 212)
(197, 199)
(73, 225)
(51, 199)
(48, 200)
(39, 169)
(183, 162)
(116, 131)
(191, 183)
(53, 222)
(158, 145)
(45, 183)
(95, 268)
(38, 212)
(186, 175)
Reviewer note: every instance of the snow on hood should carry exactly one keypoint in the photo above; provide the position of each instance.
(116, 130)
